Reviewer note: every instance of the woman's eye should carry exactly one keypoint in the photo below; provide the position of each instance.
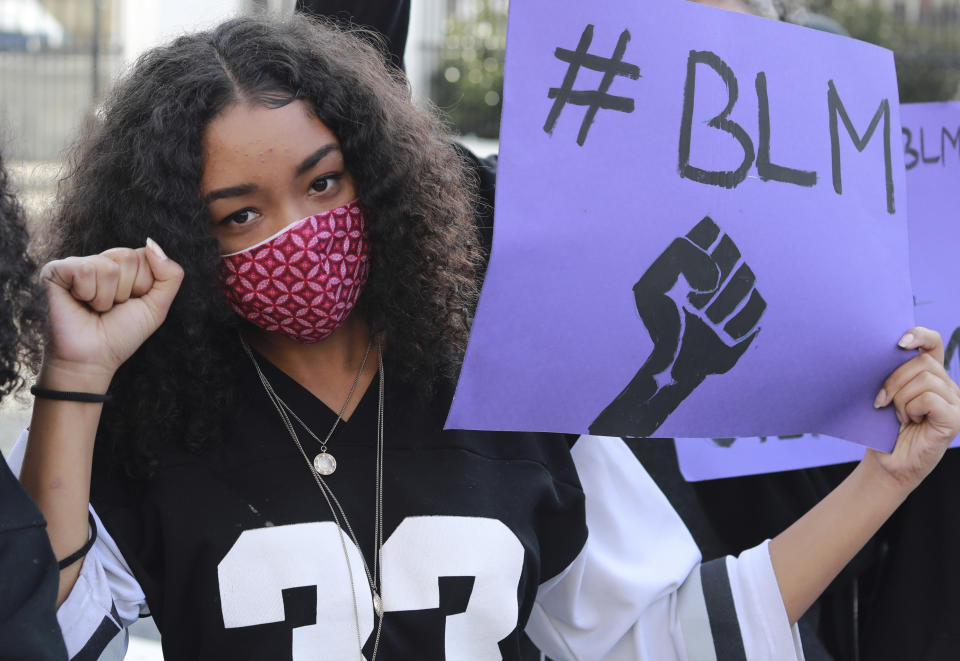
(240, 217)
(324, 183)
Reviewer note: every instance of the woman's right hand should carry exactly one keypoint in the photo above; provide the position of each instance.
(102, 308)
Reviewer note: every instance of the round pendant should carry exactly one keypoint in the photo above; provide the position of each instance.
(324, 463)
(378, 604)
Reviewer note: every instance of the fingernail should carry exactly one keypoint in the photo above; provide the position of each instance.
(906, 341)
(155, 249)
(881, 398)
(899, 419)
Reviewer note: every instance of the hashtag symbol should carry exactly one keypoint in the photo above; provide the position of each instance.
(593, 99)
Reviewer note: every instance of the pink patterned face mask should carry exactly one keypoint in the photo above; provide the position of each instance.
(305, 280)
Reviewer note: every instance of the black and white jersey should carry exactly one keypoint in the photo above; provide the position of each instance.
(486, 534)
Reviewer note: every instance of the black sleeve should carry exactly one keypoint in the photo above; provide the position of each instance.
(28, 578)
(391, 18)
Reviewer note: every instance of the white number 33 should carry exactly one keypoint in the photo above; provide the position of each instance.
(264, 562)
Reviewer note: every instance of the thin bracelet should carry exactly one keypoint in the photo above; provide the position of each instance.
(70, 396)
(73, 557)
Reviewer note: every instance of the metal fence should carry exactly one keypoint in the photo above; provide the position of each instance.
(56, 58)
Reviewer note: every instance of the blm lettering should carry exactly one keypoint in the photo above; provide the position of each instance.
(723, 178)
(837, 110)
(767, 169)
(916, 154)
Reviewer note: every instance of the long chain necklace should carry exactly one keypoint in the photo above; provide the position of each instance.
(324, 462)
(375, 578)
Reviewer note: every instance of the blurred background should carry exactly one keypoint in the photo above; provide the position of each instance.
(58, 58)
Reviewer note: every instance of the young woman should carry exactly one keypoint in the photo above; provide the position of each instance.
(273, 481)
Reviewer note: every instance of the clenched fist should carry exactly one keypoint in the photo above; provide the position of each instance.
(102, 308)
(700, 328)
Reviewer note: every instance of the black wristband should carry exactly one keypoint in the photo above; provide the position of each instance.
(69, 396)
(73, 557)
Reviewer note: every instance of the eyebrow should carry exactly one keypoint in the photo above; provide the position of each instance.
(232, 191)
(315, 158)
(246, 189)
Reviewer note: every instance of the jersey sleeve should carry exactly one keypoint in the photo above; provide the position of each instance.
(638, 589)
(106, 598)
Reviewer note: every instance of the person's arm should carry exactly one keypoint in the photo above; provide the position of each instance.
(102, 308)
(57, 465)
(106, 597)
(638, 588)
(808, 555)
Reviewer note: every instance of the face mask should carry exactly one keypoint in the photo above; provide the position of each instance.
(305, 280)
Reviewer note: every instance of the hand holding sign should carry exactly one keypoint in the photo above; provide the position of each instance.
(697, 330)
(927, 402)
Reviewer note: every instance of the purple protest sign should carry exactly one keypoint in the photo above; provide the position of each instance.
(700, 229)
(931, 141)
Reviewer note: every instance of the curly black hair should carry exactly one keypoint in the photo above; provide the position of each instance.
(138, 174)
(22, 301)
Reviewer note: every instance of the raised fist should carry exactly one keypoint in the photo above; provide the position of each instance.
(103, 307)
(699, 325)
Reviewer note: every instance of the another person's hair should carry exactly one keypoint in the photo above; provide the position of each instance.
(22, 302)
(138, 175)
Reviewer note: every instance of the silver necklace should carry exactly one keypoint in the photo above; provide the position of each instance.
(375, 578)
(324, 462)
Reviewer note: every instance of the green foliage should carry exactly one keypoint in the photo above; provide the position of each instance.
(468, 80)
(927, 52)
